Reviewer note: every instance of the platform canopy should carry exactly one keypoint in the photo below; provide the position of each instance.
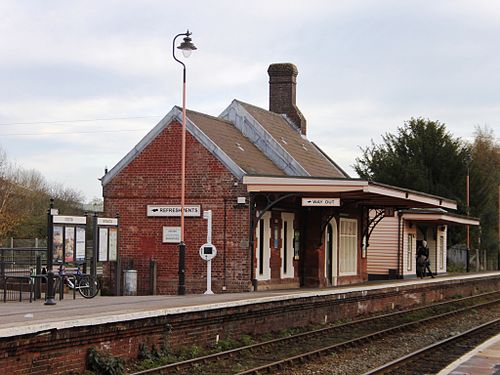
(438, 216)
(358, 191)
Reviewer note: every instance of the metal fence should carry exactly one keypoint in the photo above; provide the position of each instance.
(23, 242)
(20, 273)
(21, 261)
(457, 258)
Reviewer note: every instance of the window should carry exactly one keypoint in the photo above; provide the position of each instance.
(286, 251)
(263, 248)
(348, 248)
(409, 253)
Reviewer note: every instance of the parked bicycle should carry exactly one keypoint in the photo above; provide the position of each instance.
(87, 285)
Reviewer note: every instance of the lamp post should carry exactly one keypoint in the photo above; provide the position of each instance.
(186, 47)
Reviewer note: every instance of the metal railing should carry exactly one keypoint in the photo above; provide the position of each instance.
(20, 261)
(19, 288)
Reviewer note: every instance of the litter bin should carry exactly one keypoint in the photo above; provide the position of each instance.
(130, 282)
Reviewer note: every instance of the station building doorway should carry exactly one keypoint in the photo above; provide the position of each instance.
(331, 253)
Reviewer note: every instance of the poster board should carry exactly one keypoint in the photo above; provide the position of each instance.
(69, 244)
(103, 244)
(80, 244)
(113, 243)
(68, 238)
(108, 239)
(58, 244)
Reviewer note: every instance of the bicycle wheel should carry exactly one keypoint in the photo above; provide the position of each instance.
(88, 286)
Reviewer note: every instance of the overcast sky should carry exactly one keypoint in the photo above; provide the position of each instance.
(364, 68)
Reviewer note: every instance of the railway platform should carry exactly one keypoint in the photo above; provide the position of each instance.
(23, 318)
(483, 360)
(35, 337)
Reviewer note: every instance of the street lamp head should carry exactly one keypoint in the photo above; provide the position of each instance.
(187, 46)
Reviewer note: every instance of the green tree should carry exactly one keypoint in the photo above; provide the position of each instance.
(484, 185)
(422, 156)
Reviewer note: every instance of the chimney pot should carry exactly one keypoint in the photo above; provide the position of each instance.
(282, 93)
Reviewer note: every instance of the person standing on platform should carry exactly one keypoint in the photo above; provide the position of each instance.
(423, 251)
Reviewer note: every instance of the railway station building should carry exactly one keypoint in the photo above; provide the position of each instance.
(285, 215)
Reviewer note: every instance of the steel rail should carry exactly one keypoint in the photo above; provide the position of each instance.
(351, 343)
(177, 366)
(411, 357)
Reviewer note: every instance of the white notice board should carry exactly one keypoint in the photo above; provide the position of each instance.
(113, 240)
(103, 244)
(171, 234)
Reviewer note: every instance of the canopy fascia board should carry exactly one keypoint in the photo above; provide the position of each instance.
(412, 196)
(300, 181)
(324, 185)
(444, 218)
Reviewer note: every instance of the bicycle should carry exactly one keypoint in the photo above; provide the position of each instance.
(87, 285)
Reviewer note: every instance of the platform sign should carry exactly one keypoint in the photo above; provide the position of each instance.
(107, 221)
(155, 210)
(321, 202)
(61, 219)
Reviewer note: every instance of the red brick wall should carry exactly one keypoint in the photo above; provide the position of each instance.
(153, 177)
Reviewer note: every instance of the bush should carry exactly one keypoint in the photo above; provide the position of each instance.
(104, 364)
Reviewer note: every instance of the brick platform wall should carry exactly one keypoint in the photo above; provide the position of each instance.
(64, 351)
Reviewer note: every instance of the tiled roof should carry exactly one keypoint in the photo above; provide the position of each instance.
(300, 148)
(234, 144)
(266, 145)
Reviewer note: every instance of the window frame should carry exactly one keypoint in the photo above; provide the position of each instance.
(349, 240)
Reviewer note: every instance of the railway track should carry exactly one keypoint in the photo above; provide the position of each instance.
(435, 357)
(288, 351)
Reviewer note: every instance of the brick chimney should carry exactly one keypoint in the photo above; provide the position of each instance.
(282, 93)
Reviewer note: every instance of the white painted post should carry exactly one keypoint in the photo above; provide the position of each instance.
(208, 216)
(209, 278)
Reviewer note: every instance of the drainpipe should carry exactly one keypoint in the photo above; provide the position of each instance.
(251, 242)
(224, 245)
(400, 248)
(302, 255)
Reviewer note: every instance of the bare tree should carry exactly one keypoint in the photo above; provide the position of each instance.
(8, 185)
(24, 197)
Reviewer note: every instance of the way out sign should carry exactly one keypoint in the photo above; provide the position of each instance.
(321, 202)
